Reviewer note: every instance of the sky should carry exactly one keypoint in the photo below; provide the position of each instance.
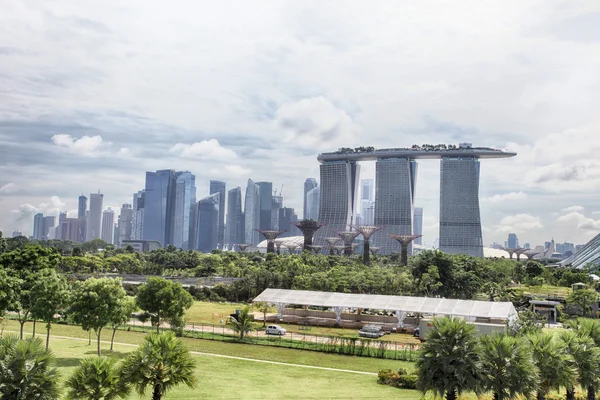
(95, 93)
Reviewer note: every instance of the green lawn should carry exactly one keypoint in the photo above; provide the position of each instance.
(220, 378)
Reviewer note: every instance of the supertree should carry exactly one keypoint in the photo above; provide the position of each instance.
(404, 241)
(291, 248)
(316, 249)
(270, 235)
(511, 251)
(278, 244)
(308, 227)
(331, 242)
(242, 247)
(374, 250)
(530, 254)
(367, 232)
(348, 237)
(520, 251)
(339, 249)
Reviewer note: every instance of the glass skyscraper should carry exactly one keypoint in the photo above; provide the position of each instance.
(184, 210)
(266, 204)
(138, 215)
(94, 221)
(220, 187)
(309, 184)
(234, 230)
(158, 216)
(252, 213)
(312, 204)
(460, 220)
(418, 224)
(207, 228)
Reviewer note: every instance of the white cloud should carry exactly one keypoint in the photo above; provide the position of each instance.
(573, 208)
(512, 196)
(9, 188)
(86, 145)
(579, 221)
(230, 171)
(519, 223)
(206, 149)
(26, 211)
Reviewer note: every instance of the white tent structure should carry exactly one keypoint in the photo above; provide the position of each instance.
(400, 305)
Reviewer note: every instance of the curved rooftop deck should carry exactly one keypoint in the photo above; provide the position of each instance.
(477, 152)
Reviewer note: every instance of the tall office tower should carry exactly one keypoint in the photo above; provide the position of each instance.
(82, 206)
(277, 204)
(309, 184)
(234, 230)
(252, 213)
(339, 198)
(94, 221)
(16, 234)
(81, 215)
(125, 224)
(207, 236)
(460, 220)
(138, 215)
(184, 207)
(69, 228)
(220, 187)
(527, 246)
(48, 226)
(159, 206)
(367, 208)
(266, 204)
(418, 224)
(312, 204)
(38, 226)
(394, 201)
(108, 226)
(287, 217)
(513, 241)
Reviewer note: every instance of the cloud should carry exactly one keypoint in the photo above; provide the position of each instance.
(86, 145)
(9, 188)
(206, 149)
(579, 221)
(27, 211)
(230, 171)
(315, 122)
(573, 208)
(512, 196)
(519, 223)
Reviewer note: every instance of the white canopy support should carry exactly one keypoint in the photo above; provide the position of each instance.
(401, 315)
(470, 318)
(280, 308)
(338, 315)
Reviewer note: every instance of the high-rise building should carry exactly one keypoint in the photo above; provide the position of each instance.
(252, 213)
(309, 184)
(235, 218)
(208, 223)
(220, 187)
(460, 220)
(287, 217)
(394, 201)
(138, 215)
(108, 226)
(48, 227)
(81, 215)
(277, 204)
(184, 207)
(312, 203)
(94, 221)
(367, 204)
(82, 206)
(513, 241)
(125, 224)
(38, 226)
(16, 234)
(527, 246)
(339, 197)
(418, 224)
(159, 206)
(70, 228)
(266, 204)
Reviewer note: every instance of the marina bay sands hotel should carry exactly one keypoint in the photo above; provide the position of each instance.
(395, 182)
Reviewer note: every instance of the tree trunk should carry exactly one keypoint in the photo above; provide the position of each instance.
(34, 323)
(22, 322)
(112, 339)
(404, 255)
(367, 253)
(451, 395)
(98, 333)
(156, 395)
(264, 319)
(591, 393)
(570, 394)
(48, 327)
(540, 396)
(89, 337)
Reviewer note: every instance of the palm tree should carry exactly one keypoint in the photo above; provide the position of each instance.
(588, 328)
(450, 362)
(27, 370)
(96, 378)
(555, 364)
(161, 362)
(587, 361)
(508, 367)
(243, 323)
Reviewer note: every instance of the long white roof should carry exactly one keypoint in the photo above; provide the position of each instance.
(423, 305)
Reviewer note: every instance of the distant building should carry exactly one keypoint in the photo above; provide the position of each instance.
(526, 246)
(183, 205)
(234, 230)
(313, 198)
(94, 222)
(125, 224)
(82, 206)
(564, 248)
(142, 245)
(38, 226)
(252, 213)
(71, 229)
(266, 204)
(137, 220)
(48, 227)
(16, 234)
(287, 217)
(587, 254)
(207, 231)
(309, 184)
(159, 206)
(277, 204)
(221, 188)
(108, 226)
(367, 202)
(512, 242)
(418, 224)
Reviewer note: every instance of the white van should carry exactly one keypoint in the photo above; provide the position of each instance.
(275, 330)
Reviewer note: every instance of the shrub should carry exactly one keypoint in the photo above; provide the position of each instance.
(401, 379)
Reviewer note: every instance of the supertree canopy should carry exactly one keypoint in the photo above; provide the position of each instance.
(404, 241)
(308, 227)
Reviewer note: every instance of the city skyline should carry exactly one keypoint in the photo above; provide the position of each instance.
(275, 89)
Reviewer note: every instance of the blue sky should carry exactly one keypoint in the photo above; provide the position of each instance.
(92, 94)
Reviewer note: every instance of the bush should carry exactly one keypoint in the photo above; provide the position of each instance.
(401, 379)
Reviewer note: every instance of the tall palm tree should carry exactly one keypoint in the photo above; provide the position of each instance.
(588, 328)
(96, 378)
(27, 370)
(555, 364)
(161, 362)
(508, 367)
(587, 361)
(450, 362)
(243, 323)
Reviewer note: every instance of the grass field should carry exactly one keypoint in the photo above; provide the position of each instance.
(220, 378)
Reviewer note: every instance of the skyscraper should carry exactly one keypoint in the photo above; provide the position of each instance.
(312, 203)
(82, 216)
(94, 222)
(339, 197)
(460, 220)
(184, 206)
(394, 201)
(252, 213)
(138, 215)
(266, 204)
(82, 206)
(159, 206)
(277, 204)
(38, 226)
(513, 241)
(108, 225)
(125, 223)
(48, 227)
(220, 187)
(418, 224)
(287, 217)
(208, 223)
(309, 184)
(235, 218)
